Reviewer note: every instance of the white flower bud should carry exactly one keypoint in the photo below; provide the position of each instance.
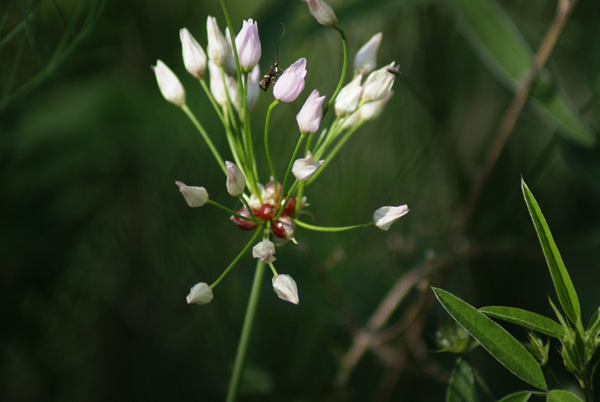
(385, 216)
(378, 84)
(286, 288)
(200, 294)
(372, 110)
(304, 168)
(322, 12)
(169, 84)
(236, 182)
(264, 251)
(194, 57)
(365, 60)
(194, 196)
(217, 89)
(348, 98)
(218, 48)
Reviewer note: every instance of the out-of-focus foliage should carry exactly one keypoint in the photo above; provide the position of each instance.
(98, 249)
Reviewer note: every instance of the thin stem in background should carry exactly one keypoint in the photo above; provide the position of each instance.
(344, 69)
(205, 136)
(242, 349)
(514, 110)
(267, 148)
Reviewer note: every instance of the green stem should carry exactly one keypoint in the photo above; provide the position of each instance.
(267, 151)
(334, 151)
(289, 169)
(344, 69)
(232, 212)
(331, 228)
(242, 349)
(237, 258)
(205, 136)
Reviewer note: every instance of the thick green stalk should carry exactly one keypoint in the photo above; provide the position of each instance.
(242, 350)
(205, 136)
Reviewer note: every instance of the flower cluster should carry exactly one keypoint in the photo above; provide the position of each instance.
(272, 210)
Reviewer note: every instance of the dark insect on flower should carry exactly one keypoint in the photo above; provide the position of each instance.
(273, 72)
(394, 70)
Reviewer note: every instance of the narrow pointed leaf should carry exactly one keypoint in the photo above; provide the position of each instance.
(502, 48)
(462, 383)
(495, 339)
(525, 319)
(594, 325)
(522, 396)
(560, 276)
(562, 396)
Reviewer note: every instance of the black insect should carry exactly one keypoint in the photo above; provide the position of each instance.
(394, 70)
(273, 72)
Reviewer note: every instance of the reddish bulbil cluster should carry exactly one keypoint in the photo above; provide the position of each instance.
(283, 227)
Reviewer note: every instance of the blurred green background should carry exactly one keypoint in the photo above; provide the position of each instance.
(98, 249)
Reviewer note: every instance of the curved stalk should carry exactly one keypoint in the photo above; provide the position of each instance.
(344, 69)
(331, 228)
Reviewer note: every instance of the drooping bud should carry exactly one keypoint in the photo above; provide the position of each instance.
(200, 294)
(348, 98)
(218, 48)
(309, 117)
(244, 224)
(194, 196)
(236, 182)
(291, 83)
(264, 251)
(304, 168)
(322, 12)
(378, 84)
(247, 43)
(169, 84)
(365, 60)
(286, 288)
(385, 216)
(194, 57)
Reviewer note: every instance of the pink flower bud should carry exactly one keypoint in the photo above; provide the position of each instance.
(236, 182)
(286, 288)
(244, 224)
(169, 84)
(283, 227)
(322, 12)
(291, 83)
(247, 43)
(309, 117)
(194, 57)
(365, 60)
(385, 216)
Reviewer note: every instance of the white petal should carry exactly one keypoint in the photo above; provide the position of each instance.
(200, 294)
(264, 251)
(385, 216)
(304, 168)
(194, 196)
(286, 288)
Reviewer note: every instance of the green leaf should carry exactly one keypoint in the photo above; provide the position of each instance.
(462, 383)
(560, 276)
(522, 396)
(502, 48)
(594, 324)
(525, 319)
(495, 339)
(562, 396)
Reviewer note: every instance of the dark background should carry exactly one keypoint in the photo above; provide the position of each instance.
(98, 249)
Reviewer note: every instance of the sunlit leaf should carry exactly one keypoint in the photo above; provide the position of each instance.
(495, 339)
(525, 319)
(560, 276)
(462, 383)
(500, 45)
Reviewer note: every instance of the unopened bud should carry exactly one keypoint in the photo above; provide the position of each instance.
(286, 288)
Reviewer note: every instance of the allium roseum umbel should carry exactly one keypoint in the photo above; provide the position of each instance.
(273, 211)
